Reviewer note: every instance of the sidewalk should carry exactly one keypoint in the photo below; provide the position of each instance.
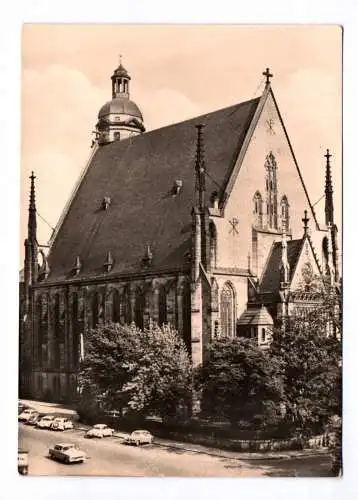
(51, 408)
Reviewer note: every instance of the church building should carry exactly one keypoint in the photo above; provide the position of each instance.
(205, 224)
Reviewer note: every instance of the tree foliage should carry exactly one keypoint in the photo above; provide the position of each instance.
(308, 350)
(143, 371)
(240, 382)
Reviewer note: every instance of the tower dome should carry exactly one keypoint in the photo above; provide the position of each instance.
(120, 117)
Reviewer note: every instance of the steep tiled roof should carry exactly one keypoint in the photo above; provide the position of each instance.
(255, 317)
(138, 174)
(270, 282)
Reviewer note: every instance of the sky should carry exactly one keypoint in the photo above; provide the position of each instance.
(178, 72)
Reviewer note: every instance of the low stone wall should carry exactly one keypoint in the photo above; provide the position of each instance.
(248, 445)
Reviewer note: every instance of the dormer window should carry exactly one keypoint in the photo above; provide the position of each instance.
(177, 186)
(106, 202)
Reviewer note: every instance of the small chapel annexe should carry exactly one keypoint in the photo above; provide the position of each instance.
(197, 224)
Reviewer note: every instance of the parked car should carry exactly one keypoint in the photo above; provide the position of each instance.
(67, 452)
(61, 424)
(140, 437)
(21, 407)
(26, 414)
(99, 431)
(33, 419)
(23, 462)
(45, 422)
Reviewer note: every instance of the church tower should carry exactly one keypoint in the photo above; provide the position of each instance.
(120, 117)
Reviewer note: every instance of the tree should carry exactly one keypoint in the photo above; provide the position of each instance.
(144, 371)
(308, 350)
(240, 382)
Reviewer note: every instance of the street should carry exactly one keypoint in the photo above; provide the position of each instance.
(110, 457)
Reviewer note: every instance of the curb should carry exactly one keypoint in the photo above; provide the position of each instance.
(241, 456)
(223, 454)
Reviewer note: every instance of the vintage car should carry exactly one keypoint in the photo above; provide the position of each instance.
(61, 424)
(139, 437)
(67, 452)
(23, 462)
(33, 419)
(26, 414)
(99, 431)
(45, 422)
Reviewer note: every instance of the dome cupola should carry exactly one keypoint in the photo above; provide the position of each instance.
(120, 117)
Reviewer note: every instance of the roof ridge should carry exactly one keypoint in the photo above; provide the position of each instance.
(192, 119)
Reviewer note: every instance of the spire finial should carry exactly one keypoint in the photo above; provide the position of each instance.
(120, 59)
(285, 267)
(328, 156)
(32, 191)
(32, 224)
(305, 222)
(268, 76)
(328, 190)
(200, 167)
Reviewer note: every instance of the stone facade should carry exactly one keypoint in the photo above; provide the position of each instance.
(238, 241)
(64, 313)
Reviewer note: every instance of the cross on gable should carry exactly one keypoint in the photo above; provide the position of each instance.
(268, 75)
(234, 223)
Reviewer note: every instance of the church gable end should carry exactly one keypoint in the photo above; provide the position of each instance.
(264, 190)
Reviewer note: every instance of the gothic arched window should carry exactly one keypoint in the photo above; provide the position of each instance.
(139, 308)
(227, 311)
(95, 307)
(258, 209)
(75, 330)
(39, 313)
(285, 214)
(213, 244)
(116, 304)
(186, 311)
(325, 253)
(271, 190)
(57, 330)
(163, 311)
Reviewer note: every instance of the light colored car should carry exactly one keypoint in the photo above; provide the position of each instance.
(67, 452)
(100, 431)
(23, 462)
(140, 437)
(26, 414)
(33, 419)
(45, 422)
(61, 424)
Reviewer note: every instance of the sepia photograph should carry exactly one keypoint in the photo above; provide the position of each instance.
(180, 273)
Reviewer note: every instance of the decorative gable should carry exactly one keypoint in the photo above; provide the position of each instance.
(307, 275)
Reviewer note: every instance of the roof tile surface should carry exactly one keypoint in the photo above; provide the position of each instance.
(138, 175)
